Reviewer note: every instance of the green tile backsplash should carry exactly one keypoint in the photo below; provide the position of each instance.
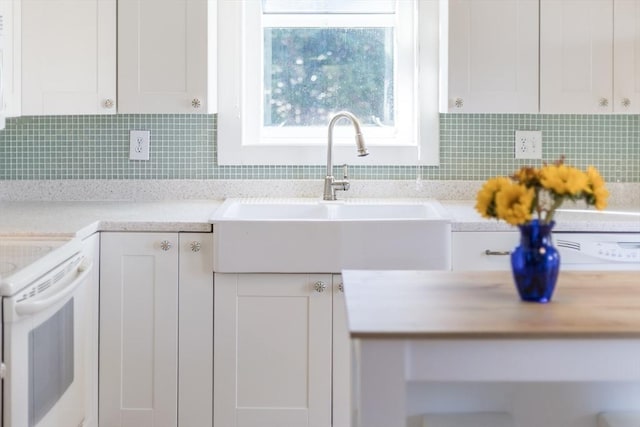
(472, 146)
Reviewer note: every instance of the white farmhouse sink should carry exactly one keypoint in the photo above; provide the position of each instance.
(311, 235)
(392, 211)
(312, 210)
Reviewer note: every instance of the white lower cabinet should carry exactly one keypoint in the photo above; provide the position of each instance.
(91, 249)
(156, 330)
(342, 410)
(195, 330)
(276, 349)
(482, 250)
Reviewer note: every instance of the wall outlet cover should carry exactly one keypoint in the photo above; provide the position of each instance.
(528, 144)
(139, 141)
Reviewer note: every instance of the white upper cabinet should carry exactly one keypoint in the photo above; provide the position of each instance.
(165, 60)
(166, 56)
(68, 57)
(626, 58)
(589, 56)
(10, 57)
(492, 63)
(576, 56)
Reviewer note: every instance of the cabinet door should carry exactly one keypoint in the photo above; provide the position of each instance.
(91, 248)
(493, 56)
(138, 330)
(576, 51)
(68, 57)
(626, 49)
(272, 362)
(166, 56)
(341, 362)
(10, 57)
(195, 370)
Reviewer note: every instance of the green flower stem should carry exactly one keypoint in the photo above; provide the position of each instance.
(557, 202)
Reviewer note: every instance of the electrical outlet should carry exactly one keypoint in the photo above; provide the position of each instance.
(139, 141)
(528, 144)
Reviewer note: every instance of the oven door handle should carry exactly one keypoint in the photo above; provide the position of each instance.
(31, 307)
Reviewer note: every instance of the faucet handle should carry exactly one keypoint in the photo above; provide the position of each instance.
(345, 171)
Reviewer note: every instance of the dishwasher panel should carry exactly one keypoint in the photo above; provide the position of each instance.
(599, 251)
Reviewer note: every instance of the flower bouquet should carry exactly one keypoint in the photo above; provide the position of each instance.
(529, 199)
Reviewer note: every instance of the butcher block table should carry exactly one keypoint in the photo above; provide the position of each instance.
(443, 326)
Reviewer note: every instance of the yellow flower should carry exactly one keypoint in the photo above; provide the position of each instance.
(541, 191)
(597, 194)
(563, 180)
(485, 200)
(528, 176)
(514, 203)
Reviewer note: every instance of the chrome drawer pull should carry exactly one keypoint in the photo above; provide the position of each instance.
(499, 253)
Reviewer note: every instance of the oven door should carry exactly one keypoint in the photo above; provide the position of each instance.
(47, 351)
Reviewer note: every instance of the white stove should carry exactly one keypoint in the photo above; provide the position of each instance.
(25, 259)
(15, 255)
(45, 292)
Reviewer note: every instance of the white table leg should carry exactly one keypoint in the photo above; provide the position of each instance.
(381, 388)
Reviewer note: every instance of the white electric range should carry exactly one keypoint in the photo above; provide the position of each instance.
(44, 332)
(18, 256)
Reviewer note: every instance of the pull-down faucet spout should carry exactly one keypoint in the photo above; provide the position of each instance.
(330, 183)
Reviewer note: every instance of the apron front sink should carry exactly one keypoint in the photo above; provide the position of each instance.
(310, 235)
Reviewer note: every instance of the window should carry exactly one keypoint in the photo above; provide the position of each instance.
(286, 66)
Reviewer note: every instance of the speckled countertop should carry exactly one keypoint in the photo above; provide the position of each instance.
(80, 219)
(621, 218)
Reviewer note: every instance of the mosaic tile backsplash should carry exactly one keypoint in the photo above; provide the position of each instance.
(472, 147)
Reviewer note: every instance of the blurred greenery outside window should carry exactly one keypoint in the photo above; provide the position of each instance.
(298, 62)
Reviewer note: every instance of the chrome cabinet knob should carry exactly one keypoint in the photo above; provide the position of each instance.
(319, 286)
(626, 102)
(458, 102)
(196, 103)
(341, 287)
(165, 245)
(108, 103)
(603, 102)
(195, 246)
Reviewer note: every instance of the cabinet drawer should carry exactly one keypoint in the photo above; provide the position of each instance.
(483, 250)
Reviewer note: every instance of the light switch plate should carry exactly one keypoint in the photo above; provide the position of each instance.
(139, 141)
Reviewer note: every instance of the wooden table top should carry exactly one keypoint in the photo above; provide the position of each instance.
(446, 304)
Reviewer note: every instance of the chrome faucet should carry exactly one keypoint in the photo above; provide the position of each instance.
(330, 183)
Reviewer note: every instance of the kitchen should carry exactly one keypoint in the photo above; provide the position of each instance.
(59, 154)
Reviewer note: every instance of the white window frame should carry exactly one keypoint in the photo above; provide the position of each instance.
(241, 140)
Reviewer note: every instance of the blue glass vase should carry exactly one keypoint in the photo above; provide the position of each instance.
(535, 262)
